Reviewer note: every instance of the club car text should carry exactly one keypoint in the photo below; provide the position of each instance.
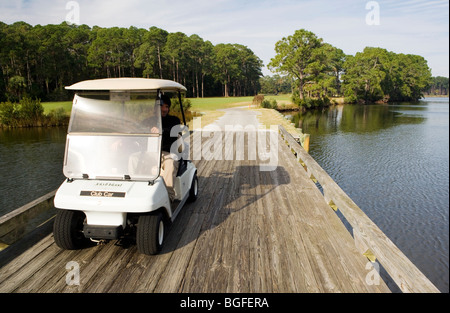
(107, 194)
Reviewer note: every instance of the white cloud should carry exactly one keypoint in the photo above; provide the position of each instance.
(406, 26)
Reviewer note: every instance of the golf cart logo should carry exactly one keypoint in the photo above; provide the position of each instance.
(108, 184)
(106, 194)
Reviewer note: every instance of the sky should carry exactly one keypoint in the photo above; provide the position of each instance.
(403, 26)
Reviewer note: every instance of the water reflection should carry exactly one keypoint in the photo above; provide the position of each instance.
(356, 118)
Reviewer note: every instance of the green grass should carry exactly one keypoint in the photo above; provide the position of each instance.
(49, 106)
(198, 104)
(217, 103)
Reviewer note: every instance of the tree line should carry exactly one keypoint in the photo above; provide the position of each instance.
(319, 71)
(39, 61)
(438, 87)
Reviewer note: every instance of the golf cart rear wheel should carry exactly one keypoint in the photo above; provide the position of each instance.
(150, 233)
(68, 230)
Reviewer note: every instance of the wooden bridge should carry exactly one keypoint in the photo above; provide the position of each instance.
(249, 231)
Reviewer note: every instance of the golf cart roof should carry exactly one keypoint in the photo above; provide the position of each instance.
(126, 84)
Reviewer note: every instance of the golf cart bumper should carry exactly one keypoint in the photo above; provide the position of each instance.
(106, 203)
(102, 232)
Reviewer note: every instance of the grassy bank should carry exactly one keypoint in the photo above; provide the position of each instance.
(31, 113)
(66, 106)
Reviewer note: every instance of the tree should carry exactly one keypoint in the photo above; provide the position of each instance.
(238, 69)
(297, 56)
(438, 86)
(379, 75)
(226, 65)
(149, 53)
(334, 60)
(364, 74)
(47, 58)
(16, 87)
(111, 51)
(247, 82)
(134, 38)
(194, 52)
(275, 84)
(415, 77)
(206, 60)
(174, 51)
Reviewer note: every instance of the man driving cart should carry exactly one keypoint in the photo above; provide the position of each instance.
(135, 190)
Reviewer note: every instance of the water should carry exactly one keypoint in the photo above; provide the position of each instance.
(393, 161)
(31, 163)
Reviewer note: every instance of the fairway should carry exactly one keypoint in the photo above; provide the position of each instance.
(50, 106)
(198, 104)
(217, 103)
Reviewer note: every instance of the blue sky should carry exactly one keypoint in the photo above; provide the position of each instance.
(402, 26)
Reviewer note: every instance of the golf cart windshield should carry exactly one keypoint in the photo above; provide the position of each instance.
(114, 135)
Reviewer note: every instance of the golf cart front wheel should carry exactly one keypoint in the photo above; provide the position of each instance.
(150, 233)
(68, 230)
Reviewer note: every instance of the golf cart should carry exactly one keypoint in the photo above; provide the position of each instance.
(112, 164)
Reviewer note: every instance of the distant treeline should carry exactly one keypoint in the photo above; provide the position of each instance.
(439, 86)
(39, 61)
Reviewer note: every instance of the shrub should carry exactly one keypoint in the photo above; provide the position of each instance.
(26, 113)
(9, 114)
(175, 109)
(57, 117)
(258, 99)
(269, 104)
(31, 112)
(310, 103)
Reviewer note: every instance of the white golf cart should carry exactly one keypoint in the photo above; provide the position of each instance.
(112, 163)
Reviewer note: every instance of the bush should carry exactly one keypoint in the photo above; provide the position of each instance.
(29, 113)
(310, 103)
(269, 104)
(175, 109)
(258, 99)
(57, 117)
(9, 114)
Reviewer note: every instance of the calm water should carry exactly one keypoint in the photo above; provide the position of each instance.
(31, 163)
(393, 161)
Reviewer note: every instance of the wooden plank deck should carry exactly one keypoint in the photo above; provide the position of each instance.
(249, 231)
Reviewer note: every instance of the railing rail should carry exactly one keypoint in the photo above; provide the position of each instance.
(16, 224)
(369, 239)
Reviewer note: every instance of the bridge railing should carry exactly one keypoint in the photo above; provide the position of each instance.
(369, 239)
(16, 224)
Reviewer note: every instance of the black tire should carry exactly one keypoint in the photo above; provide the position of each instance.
(150, 233)
(68, 230)
(193, 192)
